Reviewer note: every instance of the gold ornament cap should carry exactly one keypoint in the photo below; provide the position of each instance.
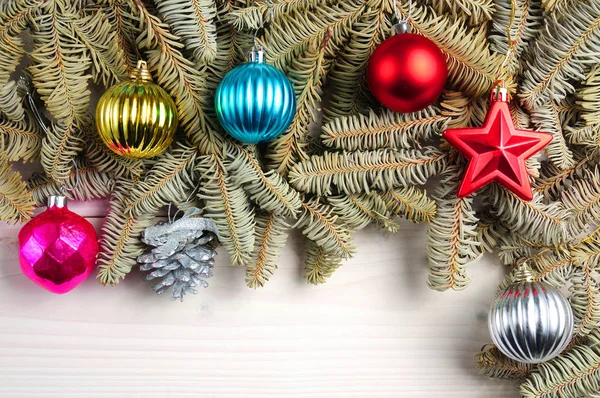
(141, 72)
(523, 272)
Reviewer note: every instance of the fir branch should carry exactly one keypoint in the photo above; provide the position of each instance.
(60, 76)
(583, 198)
(489, 233)
(557, 6)
(86, 183)
(552, 181)
(20, 141)
(587, 252)
(554, 266)
(11, 103)
(291, 34)
(61, 64)
(232, 47)
(545, 117)
(124, 23)
(494, 364)
(193, 22)
(588, 136)
(564, 53)
(451, 237)
(109, 62)
(358, 211)
(169, 180)
(513, 246)
(410, 203)
(253, 17)
(356, 172)
(320, 225)
(120, 243)
(59, 148)
(585, 300)
(574, 374)
(14, 19)
(588, 97)
(268, 189)
(529, 218)
(306, 74)
(386, 130)
(320, 264)
(525, 26)
(271, 235)
(228, 206)
(475, 12)
(15, 199)
(463, 111)
(351, 62)
(472, 67)
(180, 78)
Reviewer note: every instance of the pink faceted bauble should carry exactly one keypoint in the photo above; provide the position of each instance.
(58, 248)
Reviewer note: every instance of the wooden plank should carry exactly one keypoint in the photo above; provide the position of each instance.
(374, 330)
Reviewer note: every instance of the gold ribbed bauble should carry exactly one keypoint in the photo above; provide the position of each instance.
(137, 118)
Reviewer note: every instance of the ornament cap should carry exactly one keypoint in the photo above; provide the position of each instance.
(141, 71)
(57, 201)
(523, 272)
(500, 93)
(257, 55)
(401, 27)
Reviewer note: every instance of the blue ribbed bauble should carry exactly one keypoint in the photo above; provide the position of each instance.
(255, 102)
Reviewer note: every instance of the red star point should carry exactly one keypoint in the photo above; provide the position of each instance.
(497, 152)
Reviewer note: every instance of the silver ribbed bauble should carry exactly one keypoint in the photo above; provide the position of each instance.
(530, 321)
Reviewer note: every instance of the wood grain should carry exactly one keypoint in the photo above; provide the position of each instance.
(374, 330)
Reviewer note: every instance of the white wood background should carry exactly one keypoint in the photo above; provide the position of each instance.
(374, 330)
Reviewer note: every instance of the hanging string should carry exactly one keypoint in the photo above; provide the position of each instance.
(25, 85)
(512, 44)
(171, 220)
(64, 188)
(270, 16)
(397, 13)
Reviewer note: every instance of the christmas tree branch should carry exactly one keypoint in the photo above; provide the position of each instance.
(228, 206)
(452, 236)
(411, 203)
(320, 225)
(15, 199)
(359, 210)
(271, 235)
(492, 363)
(268, 189)
(193, 22)
(120, 243)
(386, 130)
(357, 172)
(565, 52)
(320, 263)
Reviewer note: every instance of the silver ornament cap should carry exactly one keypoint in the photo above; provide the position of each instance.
(530, 321)
(58, 201)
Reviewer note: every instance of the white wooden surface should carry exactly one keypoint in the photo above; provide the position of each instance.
(374, 330)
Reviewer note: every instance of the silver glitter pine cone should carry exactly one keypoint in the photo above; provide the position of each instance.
(183, 255)
(530, 321)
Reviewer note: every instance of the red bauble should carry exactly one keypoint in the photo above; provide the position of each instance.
(497, 152)
(407, 72)
(58, 248)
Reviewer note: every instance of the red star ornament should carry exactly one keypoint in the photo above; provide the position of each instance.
(497, 152)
